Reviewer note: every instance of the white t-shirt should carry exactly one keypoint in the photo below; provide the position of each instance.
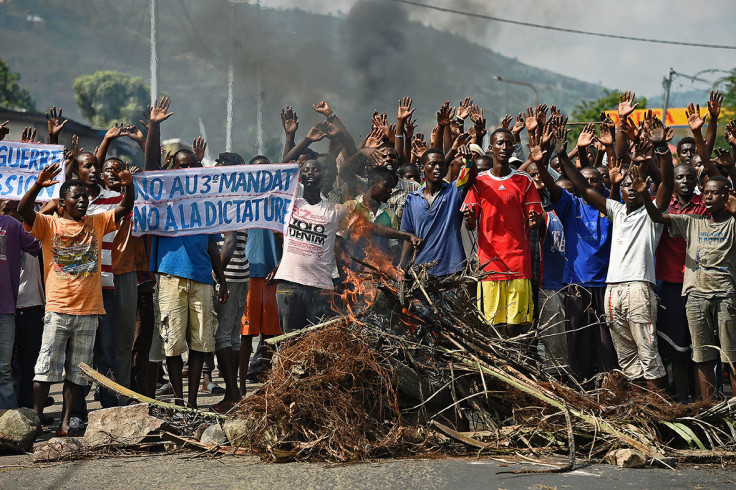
(634, 240)
(30, 288)
(309, 243)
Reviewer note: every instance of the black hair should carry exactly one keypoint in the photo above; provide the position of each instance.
(686, 139)
(425, 155)
(485, 158)
(721, 179)
(501, 130)
(115, 159)
(67, 185)
(310, 153)
(258, 157)
(380, 174)
(313, 160)
(408, 166)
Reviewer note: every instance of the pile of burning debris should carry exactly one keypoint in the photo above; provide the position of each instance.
(411, 367)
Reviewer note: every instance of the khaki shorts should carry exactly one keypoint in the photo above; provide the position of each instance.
(67, 341)
(712, 322)
(186, 315)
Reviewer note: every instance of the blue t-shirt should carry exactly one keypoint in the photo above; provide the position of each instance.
(439, 226)
(553, 265)
(183, 256)
(587, 241)
(262, 252)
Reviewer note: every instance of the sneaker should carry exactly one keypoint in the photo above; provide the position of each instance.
(213, 389)
(166, 389)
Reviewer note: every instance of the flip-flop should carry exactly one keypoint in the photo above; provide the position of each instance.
(223, 406)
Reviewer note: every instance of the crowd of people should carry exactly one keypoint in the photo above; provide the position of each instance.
(617, 254)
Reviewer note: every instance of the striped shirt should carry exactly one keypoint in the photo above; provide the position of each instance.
(238, 269)
(106, 201)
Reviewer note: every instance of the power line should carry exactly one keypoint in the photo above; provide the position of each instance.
(561, 29)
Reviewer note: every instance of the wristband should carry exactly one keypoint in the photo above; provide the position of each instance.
(662, 149)
(331, 117)
(399, 136)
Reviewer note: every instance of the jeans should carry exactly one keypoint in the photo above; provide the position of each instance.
(7, 338)
(28, 334)
(105, 346)
(300, 305)
(126, 295)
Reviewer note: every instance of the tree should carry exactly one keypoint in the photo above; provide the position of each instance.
(11, 95)
(108, 97)
(590, 110)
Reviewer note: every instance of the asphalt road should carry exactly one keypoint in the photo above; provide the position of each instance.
(187, 470)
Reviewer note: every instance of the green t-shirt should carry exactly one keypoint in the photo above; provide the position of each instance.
(710, 262)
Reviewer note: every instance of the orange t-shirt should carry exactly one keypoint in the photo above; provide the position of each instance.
(71, 257)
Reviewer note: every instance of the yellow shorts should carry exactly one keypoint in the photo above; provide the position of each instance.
(186, 315)
(506, 301)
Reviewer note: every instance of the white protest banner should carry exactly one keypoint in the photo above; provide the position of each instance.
(20, 164)
(213, 200)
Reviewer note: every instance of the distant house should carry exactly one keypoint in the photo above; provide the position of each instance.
(89, 138)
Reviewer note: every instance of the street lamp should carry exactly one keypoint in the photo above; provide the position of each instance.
(517, 82)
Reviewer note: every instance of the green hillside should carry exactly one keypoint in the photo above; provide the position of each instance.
(365, 60)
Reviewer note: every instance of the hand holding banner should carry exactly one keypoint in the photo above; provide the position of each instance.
(213, 200)
(20, 164)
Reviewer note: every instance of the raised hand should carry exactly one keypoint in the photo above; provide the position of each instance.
(540, 114)
(461, 140)
(124, 175)
(714, 104)
(642, 151)
(626, 104)
(723, 158)
(519, 125)
(318, 132)
(116, 131)
(391, 134)
(657, 133)
(729, 133)
(160, 110)
(548, 135)
(409, 126)
(375, 138)
(463, 110)
(54, 122)
(694, 119)
(531, 121)
(638, 181)
(28, 135)
(289, 120)
(731, 204)
(606, 137)
(323, 108)
(536, 154)
(146, 116)
(455, 127)
(631, 130)
(616, 170)
(333, 130)
(506, 121)
(476, 115)
(444, 114)
(587, 136)
(561, 140)
(47, 175)
(418, 146)
(464, 152)
(199, 145)
(135, 134)
(405, 109)
(4, 130)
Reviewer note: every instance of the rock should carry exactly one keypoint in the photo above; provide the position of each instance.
(57, 448)
(235, 430)
(626, 458)
(213, 435)
(18, 429)
(121, 425)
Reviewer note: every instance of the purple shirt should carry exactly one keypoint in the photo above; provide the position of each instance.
(13, 240)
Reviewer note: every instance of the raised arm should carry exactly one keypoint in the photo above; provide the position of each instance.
(404, 113)
(126, 180)
(536, 153)
(158, 114)
(714, 109)
(317, 133)
(658, 135)
(580, 183)
(695, 121)
(343, 135)
(290, 121)
(626, 107)
(45, 179)
(586, 138)
(443, 127)
(113, 133)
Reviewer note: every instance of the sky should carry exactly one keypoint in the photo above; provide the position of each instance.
(616, 64)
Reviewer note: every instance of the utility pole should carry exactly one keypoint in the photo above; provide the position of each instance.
(667, 84)
(154, 52)
(229, 120)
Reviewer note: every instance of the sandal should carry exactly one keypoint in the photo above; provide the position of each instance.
(213, 389)
(223, 406)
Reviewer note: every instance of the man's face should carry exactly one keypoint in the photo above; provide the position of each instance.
(75, 203)
(261, 161)
(605, 178)
(715, 196)
(109, 175)
(484, 163)
(88, 169)
(387, 157)
(567, 185)
(685, 181)
(10, 208)
(503, 147)
(435, 168)
(686, 153)
(533, 172)
(412, 173)
(184, 159)
(311, 175)
(593, 178)
(630, 197)
(381, 191)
